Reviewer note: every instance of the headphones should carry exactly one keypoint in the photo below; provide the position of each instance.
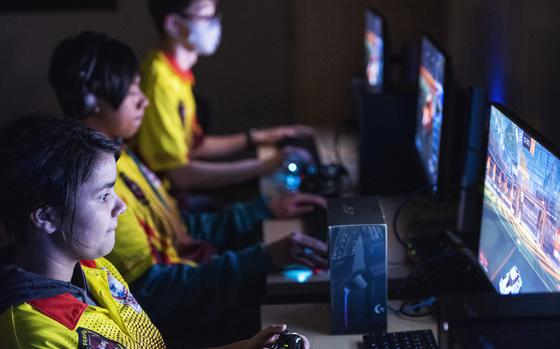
(87, 103)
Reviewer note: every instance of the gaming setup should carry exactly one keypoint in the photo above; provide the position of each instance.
(507, 179)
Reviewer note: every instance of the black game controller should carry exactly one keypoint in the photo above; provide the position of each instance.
(288, 340)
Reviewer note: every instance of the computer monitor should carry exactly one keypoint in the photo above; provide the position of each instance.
(374, 49)
(435, 138)
(519, 246)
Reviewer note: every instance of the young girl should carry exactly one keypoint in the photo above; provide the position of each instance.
(58, 203)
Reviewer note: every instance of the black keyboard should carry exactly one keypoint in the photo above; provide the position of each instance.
(423, 339)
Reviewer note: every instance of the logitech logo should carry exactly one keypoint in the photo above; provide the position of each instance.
(379, 308)
(349, 210)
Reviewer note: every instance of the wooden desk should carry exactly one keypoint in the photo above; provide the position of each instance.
(313, 321)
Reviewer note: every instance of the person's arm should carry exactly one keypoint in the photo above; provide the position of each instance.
(242, 217)
(206, 293)
(198, 174)
(227, 282)
(219, 227)
(215, 147)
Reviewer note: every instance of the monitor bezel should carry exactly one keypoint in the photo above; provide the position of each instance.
(443, 185)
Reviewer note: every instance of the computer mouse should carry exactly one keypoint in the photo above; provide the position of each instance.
(289, 340)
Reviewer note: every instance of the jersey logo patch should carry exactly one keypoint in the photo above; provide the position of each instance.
(121, 294)
(87, 339)
(181, 110)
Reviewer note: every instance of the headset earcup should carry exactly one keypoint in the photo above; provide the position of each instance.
(89, 100)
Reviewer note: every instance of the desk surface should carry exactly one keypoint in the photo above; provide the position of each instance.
(313, 321)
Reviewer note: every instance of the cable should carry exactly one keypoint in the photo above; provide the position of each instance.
(348, 182)
(410, 196)
(336, 141)
(406, 307)
(423, 265)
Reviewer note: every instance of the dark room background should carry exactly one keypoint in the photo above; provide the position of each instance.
(293, 60)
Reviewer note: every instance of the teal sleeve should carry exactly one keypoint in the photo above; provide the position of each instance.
(206, 293)
(218, 227)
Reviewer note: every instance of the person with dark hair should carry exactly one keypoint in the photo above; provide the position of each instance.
(171, 140)
(59, 206)
(187, 288)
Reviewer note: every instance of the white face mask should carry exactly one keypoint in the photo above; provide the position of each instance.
(205, 36)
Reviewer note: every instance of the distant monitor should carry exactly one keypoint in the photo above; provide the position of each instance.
(374, 48)
(430, 111)
(519, 247)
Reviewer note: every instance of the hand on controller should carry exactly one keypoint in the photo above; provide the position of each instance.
(290, 340)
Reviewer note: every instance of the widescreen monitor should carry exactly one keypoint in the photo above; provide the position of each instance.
(519, 247)
(374, 50)
(430, 108)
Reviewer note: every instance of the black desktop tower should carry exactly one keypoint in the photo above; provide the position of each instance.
(388, 163)
(358, 265)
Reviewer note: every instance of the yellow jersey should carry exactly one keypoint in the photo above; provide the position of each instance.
(117, 321)
(170, 127)
(151, 227)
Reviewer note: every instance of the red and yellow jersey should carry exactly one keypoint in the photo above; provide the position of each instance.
(170, 127)
(63, 321)
(151, 224)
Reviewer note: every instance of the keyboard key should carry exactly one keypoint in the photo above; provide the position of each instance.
(422, 339)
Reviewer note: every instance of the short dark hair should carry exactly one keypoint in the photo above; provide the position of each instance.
(161, 8)
(44, 161)
(89, 66)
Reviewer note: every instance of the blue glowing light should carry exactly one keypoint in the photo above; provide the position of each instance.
(497, 61)
(292, 167)
(292, 182)
(299, 275)
(312, 170)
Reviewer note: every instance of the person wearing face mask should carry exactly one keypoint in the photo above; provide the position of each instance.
(171, 140)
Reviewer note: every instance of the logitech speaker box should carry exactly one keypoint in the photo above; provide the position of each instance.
(358, 265)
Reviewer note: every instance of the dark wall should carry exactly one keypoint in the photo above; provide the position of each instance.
(292, 60)
(28, 38)
(249, 81)
(512, 48)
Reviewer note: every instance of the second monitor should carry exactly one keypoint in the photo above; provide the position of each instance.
(439, 118)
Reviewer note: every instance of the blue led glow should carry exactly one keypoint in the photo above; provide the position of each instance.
(292, 167)
(299, 275)
(497, 61)
(496, 89)
(292, 182)
(312, 170)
